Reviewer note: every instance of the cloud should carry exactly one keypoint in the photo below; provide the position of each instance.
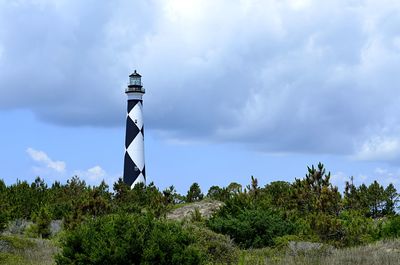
(93, 175)
(44, 159)
(277, 76)
(379, 148)
(388, 175)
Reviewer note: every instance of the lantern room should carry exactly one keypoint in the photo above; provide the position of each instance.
(135, 83)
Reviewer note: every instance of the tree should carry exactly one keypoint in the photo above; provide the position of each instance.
(171, 196)
(315, 193)
(97, 201)
(217, 193)
(319, 202)
(376, 198)
(391, 200)
(20, 198)
(277, 194)
(121, 190)
(4, 205)
(234, 188)
(194, 193)
(42, 222)
(253, 187)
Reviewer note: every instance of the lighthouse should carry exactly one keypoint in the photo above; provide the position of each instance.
(134, 168)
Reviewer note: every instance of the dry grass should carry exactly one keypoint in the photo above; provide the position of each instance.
(19, 250)
(25, 251)
(380, 253)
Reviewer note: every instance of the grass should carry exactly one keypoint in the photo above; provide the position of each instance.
(381, 253)
(20, 250)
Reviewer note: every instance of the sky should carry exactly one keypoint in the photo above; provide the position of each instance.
(234, 89)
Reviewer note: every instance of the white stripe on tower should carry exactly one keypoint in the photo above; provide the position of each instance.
(134, 167)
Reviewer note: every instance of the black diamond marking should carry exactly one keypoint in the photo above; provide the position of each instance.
(132, 103)
(130, 174)
(142, 131)
(144, 172)
(131, 131)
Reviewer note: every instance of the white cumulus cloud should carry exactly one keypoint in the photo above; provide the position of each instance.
(48, 166)
(379, 148)
(93, 174)
(295, 76)
(44, 159)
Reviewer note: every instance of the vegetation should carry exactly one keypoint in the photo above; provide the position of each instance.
(255, 225)
(129, 239)
(17, 250)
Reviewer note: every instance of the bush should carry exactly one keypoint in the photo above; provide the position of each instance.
(42, 219)
(252, 228)
(391, 229)
(129, 239)
(356, 229)
(3, 221)
(219, 248)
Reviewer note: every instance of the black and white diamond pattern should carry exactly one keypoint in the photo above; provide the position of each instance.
(134, 168)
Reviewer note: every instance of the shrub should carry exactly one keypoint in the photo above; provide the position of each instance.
(219, 248)
(42, 222)
(356, 228)
(391, 229)
(3, 221)
(252, 228)
(129, 239)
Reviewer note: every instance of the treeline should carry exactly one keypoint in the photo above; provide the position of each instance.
(128, 226)
(309, 209)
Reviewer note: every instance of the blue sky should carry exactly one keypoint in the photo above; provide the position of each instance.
(233, 89)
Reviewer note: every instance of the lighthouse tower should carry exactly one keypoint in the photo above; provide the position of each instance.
(134, 169)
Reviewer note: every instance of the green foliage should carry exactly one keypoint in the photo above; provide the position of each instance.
(218, 248)
(21, 201)
(309, 209)
(4, 206)
(315, 193)
(194, 193)
(129, 239)
(234, 188)
(3, 221)
(252, 228)
(142, 198)
(357, 229)
(195, 216)
(217, 193)
(11, 259)
(168, 243)
(391, 228)
(17, 243)
(312, 205)
(283, 241)
(376, 196)
(374, 201)
(171, 196)
(325, 226)
(391, 199)
(42, 220)
(277, 194)
(20, 250)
